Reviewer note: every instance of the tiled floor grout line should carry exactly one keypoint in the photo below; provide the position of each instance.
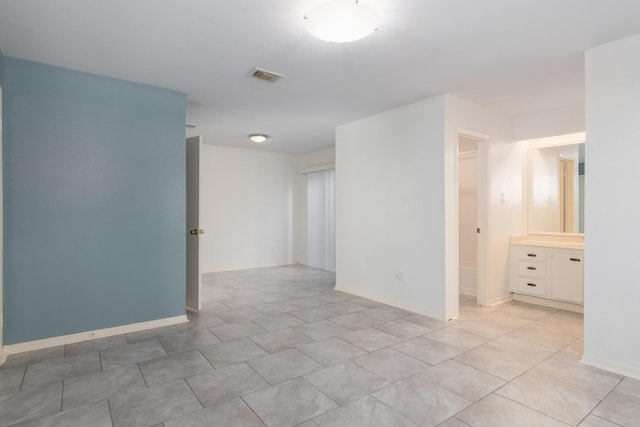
(194, 393)
(100, 359)
(142, 375)
(604, 398)
(321, 392)
(110, 413)
(258, 374)
(254, 412)
(62, 397)
(24, 375)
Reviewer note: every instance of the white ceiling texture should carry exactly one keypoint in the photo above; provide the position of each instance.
(513, 56)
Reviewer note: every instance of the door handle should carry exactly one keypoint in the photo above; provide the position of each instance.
(196, 231)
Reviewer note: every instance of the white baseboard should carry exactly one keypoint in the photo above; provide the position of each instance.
(92, 335)
(500, 300)
(383, 301)
(192, 310)
(576, 308)
(246, 267)
(616, 368)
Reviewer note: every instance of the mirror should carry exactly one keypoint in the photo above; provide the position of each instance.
(556, 188)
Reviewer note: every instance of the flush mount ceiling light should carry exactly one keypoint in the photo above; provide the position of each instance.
(341, 21)
(258, 138)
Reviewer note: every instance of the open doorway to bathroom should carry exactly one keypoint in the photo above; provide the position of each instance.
(472, 229)
(468, 217)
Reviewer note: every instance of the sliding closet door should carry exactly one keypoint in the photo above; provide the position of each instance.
(321, 219)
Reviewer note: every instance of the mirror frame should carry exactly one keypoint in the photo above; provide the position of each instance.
(554, 141)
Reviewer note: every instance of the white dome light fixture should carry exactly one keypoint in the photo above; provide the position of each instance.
(258, 138)
(341, 21)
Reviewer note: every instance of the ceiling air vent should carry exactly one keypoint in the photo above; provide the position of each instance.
(262, 74)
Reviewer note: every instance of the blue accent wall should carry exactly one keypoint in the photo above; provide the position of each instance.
(94, 202)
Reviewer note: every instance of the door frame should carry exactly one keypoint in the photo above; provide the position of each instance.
(482, 214)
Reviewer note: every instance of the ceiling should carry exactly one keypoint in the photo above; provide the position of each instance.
(513, 56)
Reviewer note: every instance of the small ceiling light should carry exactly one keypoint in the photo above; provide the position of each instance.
(258, 138)
(341, 21)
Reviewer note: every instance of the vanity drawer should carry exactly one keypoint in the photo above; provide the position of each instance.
(532, 285)
(532, 269)
(532, 253)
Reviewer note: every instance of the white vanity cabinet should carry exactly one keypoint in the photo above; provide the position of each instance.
(547, 272)
(529, 270)
(567, 275)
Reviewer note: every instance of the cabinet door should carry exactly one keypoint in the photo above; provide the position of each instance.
(567, 276)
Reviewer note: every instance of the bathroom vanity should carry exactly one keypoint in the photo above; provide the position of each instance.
(548, 270)
(546, 265)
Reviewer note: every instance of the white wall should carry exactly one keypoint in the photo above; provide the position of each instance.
(612, 242)
(541, 124)
(247, 201)
(304, 161)
(390, 207)
(397, 203)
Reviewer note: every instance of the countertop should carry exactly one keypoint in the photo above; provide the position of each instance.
(549, 241)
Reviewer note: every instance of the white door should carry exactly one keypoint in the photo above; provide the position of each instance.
(194, 232)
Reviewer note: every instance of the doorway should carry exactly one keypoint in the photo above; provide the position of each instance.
(468, 216)
(321, 219)
(472, 217)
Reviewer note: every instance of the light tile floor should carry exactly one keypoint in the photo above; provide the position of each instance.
(279, 347)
